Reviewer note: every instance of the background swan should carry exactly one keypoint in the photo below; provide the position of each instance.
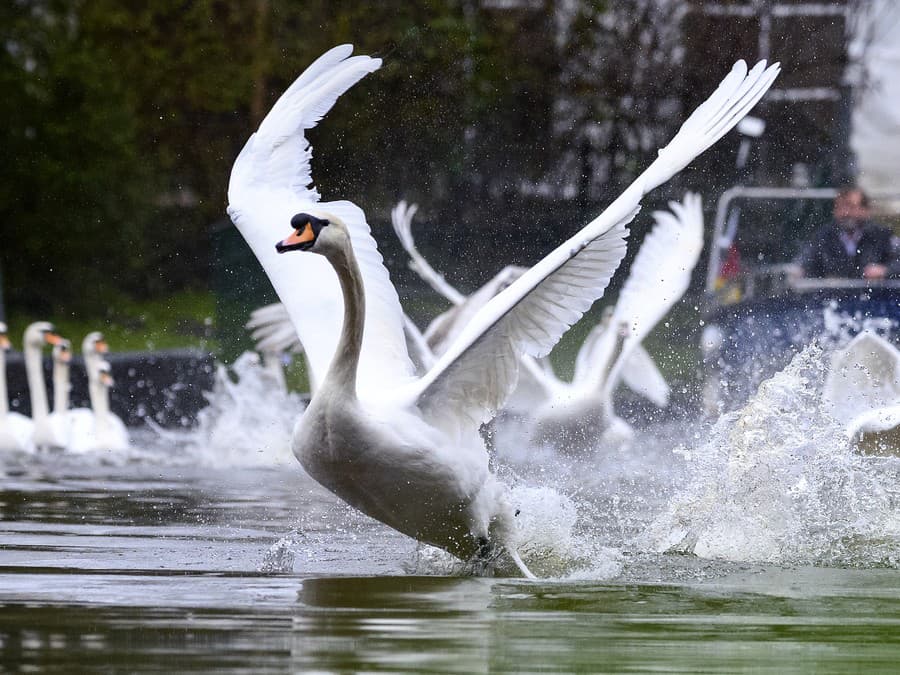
(406, 449)
(271, 329)
(575, 416)
(16, 429)
(537, 381)
(50, 430)
(105, 430)
(76, 422)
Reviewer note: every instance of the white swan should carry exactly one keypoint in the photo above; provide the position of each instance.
(50, 430)
(274, 335)
(576, 415)
(538, 383)
(107, 432)
(863, 389)
(402, 449)
(445, 327)
(16, 429)
(76, 422)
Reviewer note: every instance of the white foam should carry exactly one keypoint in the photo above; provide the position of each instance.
(248, 421)
(778, 481)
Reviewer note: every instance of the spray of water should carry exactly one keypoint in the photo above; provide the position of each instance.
(779, 481)
(248, 421)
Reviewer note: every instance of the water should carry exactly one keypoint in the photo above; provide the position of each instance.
(756, 542)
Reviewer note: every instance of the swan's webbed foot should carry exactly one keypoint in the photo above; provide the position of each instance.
(485, 559)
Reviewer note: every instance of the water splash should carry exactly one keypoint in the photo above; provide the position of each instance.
(778, 481)
(248, 421)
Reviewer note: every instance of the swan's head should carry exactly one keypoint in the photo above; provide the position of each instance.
(39, 334)
(4, 338)
(307, 230)
(94, 343)
(62, 351)
(105, 374)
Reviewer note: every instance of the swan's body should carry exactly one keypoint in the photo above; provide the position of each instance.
(16, 430)
(51, 430)
(863, 389)
(401, 448)
(575, 416)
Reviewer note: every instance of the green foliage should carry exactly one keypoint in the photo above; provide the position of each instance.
(182, 319)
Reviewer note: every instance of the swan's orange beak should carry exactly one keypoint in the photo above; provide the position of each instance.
(101, 346)
(52, 338)
(4, 342)
(301, 239)
(106, 379)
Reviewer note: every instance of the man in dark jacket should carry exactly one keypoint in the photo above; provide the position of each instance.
(851, 245)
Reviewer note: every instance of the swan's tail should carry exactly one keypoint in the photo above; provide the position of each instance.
(514, 554)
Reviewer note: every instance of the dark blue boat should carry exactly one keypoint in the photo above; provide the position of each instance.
(756, 321)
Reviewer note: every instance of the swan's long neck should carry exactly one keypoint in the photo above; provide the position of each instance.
(60, 386)
(96, 389)
(342, 371)
(614, 365)
(36, 386)
(100, 403)
(4, 393)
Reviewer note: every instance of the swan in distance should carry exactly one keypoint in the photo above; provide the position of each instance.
(538, 386)
(106, 431)
(76, 422)
(405, 449)
(50, 429)
(16, 429)
(575, 415)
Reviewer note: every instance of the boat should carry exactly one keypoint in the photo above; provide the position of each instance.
(757, 315)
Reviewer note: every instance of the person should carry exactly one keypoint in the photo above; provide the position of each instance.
(851, 246)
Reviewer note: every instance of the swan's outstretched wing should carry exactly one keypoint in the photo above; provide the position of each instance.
(401, 218)
(642, 376)
(660, 275)
(417, 347)
(271, 328)
(270, 184)
(476, 373)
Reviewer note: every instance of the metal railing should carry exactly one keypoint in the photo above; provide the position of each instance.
(720, 243)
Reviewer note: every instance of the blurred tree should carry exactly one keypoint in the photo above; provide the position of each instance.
(71, 183)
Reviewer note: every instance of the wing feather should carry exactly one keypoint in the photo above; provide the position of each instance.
(659, 277)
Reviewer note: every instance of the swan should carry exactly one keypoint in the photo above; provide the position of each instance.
(76, 422)
(537, 380)
(403, 449)
(575, 415)
(862, 387)
(271, 329)
(16, 429)
(107, 431)
(50, 430)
